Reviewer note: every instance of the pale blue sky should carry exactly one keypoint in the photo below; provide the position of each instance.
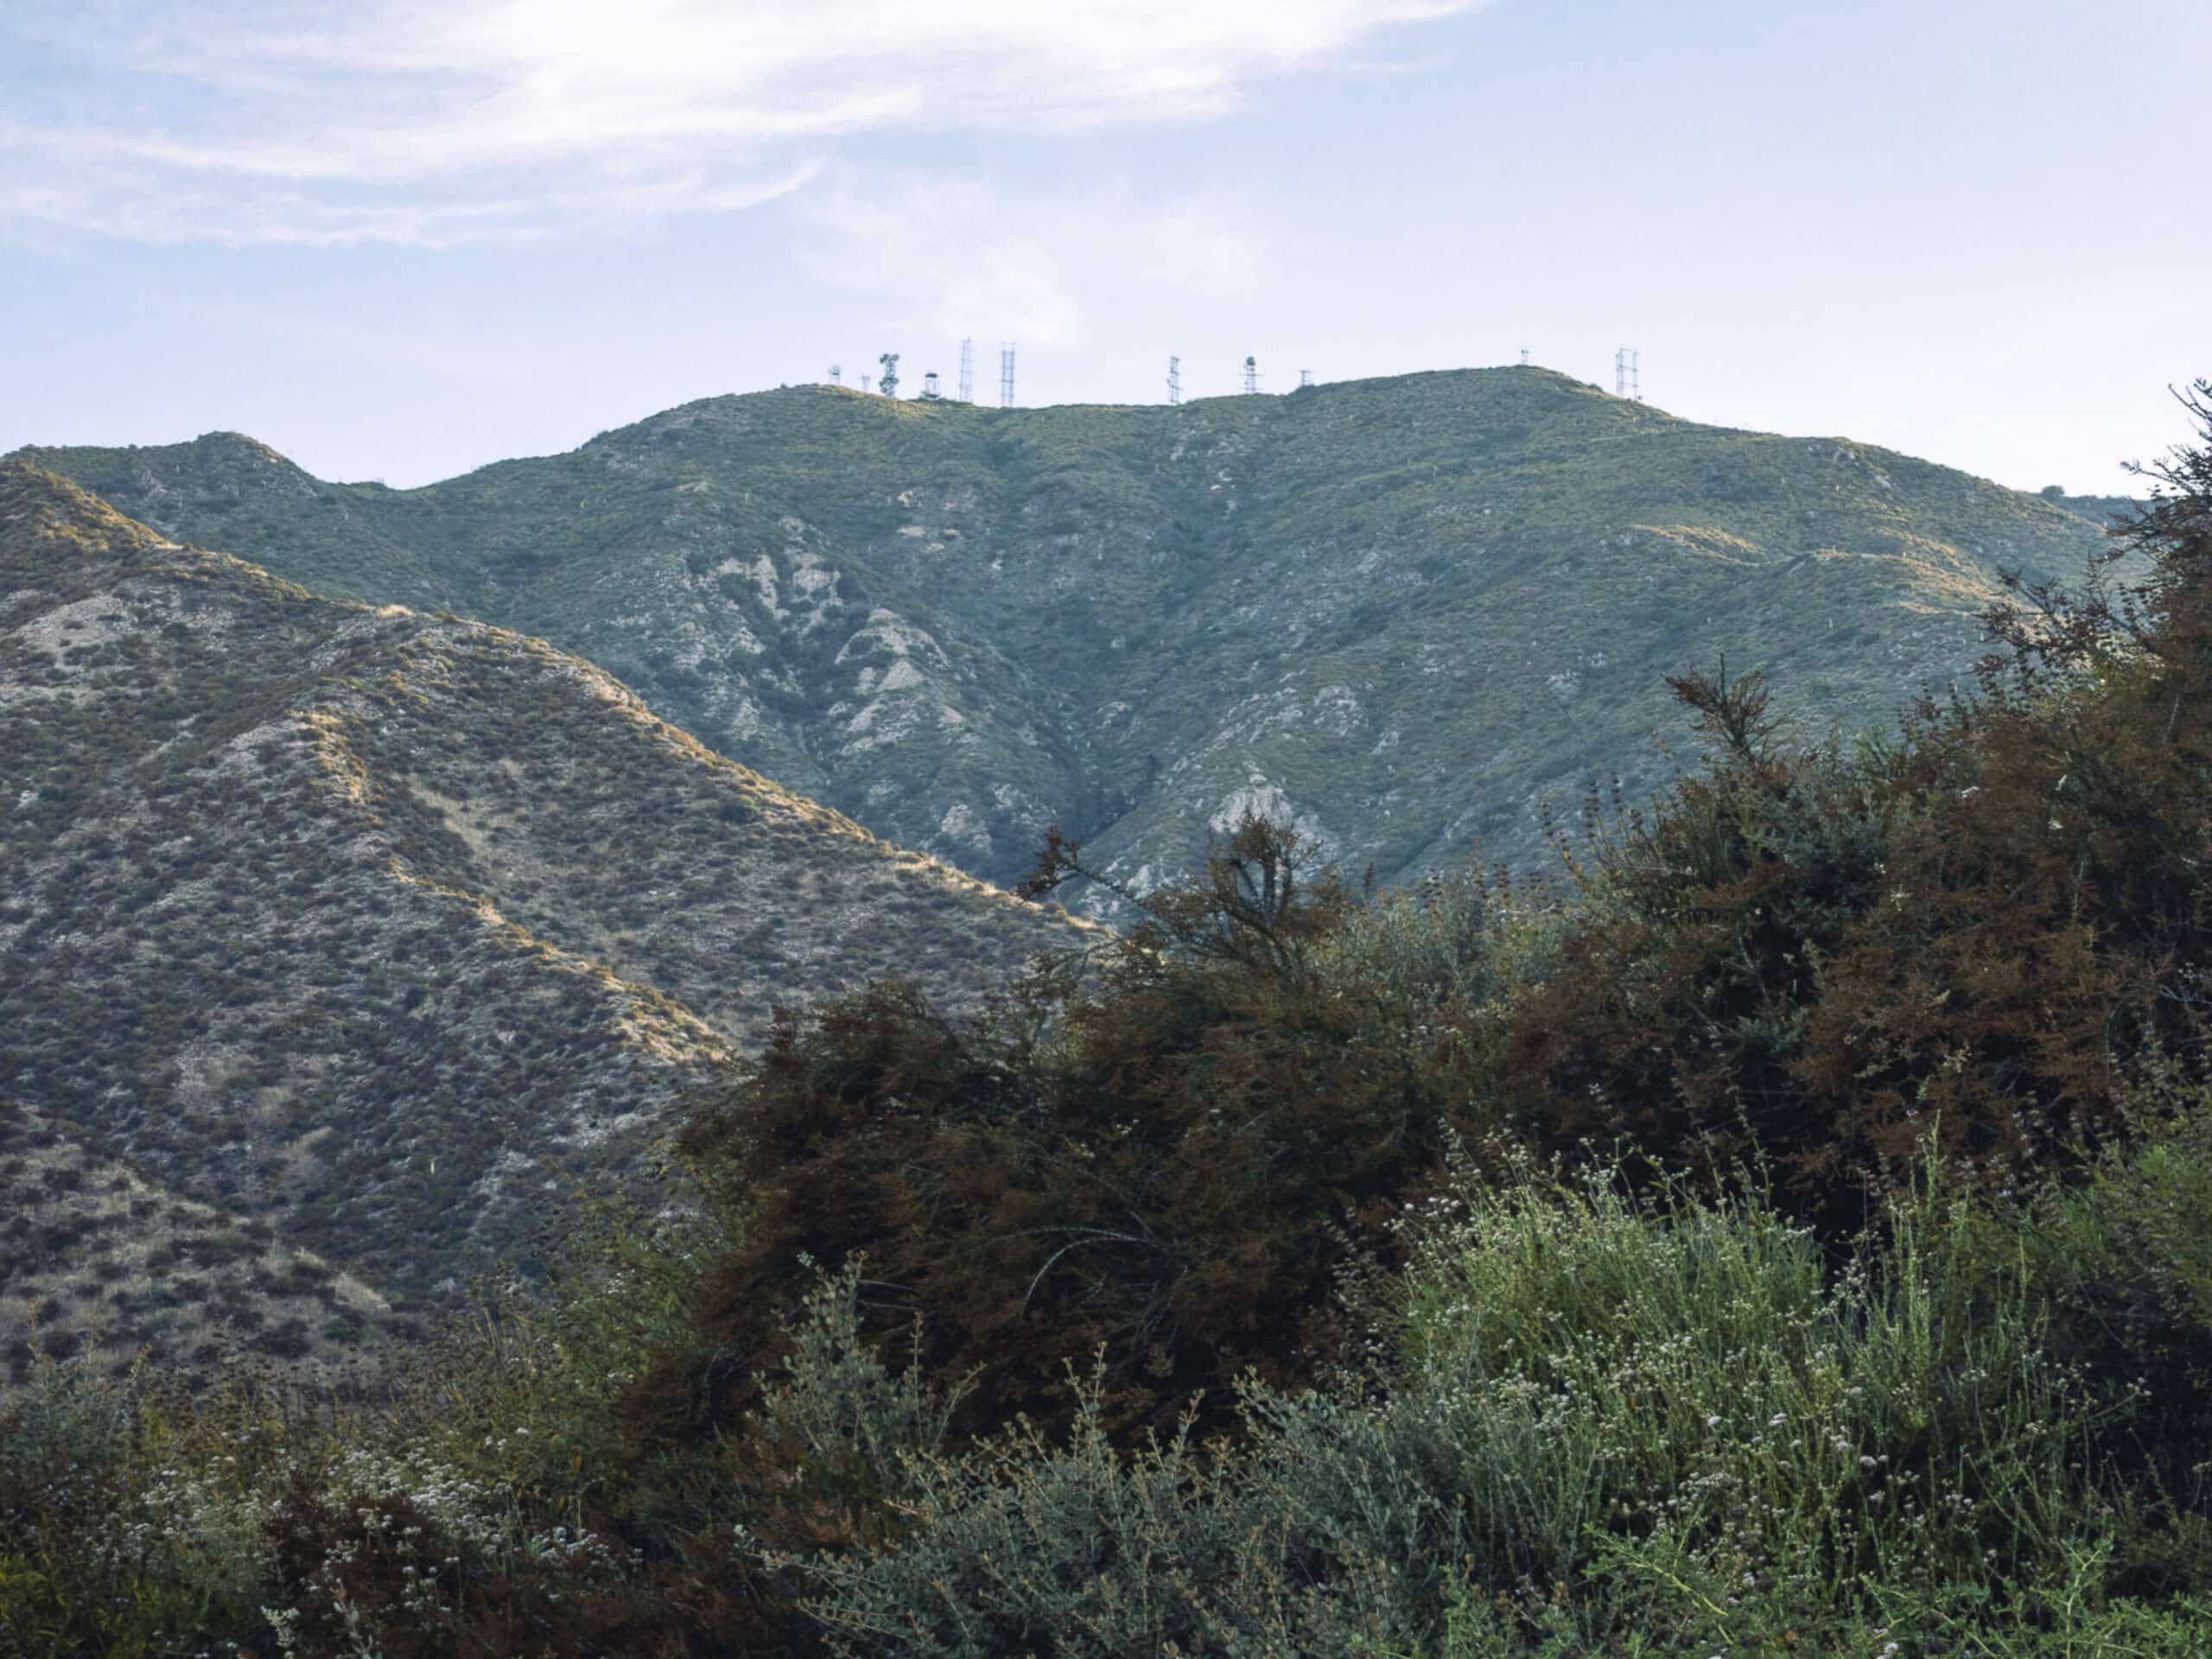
(403, 237)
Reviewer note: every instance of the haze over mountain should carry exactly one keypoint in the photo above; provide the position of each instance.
(360, 931)
(1410, 615)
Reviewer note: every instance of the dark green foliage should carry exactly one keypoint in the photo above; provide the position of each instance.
(1170, 1159)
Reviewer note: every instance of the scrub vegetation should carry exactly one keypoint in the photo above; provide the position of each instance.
(1785, 1231)
(365, 934)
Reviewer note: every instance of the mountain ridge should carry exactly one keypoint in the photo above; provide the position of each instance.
(1417, 616)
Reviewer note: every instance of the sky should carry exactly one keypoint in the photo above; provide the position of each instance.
(400, 238)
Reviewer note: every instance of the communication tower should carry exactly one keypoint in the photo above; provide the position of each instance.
(929, 387)
(837, 374)
(1628, 378)
(1251, 374)
(1006, 377)
(1174, 382)
(1305, 378)
(864, 383)
(1524, 357)
(967, 370)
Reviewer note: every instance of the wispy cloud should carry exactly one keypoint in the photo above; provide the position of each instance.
(446, 121)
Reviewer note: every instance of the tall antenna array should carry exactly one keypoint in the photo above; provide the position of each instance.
(1628, 378)
(864, 383)
(1006, 377)
(1174, 382)
(1524, 357)
(1251, 374)
(1305, 378)
(967, 370)
(837, 374)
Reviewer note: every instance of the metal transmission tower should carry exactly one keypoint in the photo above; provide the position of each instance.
(1305, 378)
(1174, 382)
(967, 370)
(1251, 374)
(1524, 357)
(837, 374)
(1628, 378)
(1006, 377)
(864, 383)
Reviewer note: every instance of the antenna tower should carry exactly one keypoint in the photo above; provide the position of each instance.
(1305, 378)
(1628, 379)
(864, 383)
(967, 370)
(1251, 374)
(837, 374)
(1524, 357)
(1174, 382)
(1006, 377)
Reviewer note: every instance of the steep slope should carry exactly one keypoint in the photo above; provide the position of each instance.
(1409, 615)
(369, 929)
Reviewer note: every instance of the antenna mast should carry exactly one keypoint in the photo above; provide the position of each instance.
(1006, 377)
(1305, 378)
(864, 383)
(1251, 375)
(837, 374)
(967, 370)
(1174, 382)
(1524, 357)
(1628, 378)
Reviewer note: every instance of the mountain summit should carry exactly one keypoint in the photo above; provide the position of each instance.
(1409, 615)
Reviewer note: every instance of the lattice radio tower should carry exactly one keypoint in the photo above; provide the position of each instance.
(864, 383)
(967, 370)
(1006, 377)
(837, 374)
(1305, 378)
(1524, 357)
(1251, 374)
(1174, 382)
(1628, 378)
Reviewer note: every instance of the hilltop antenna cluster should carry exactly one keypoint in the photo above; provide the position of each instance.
(1251, 375)
(1006, 377)
(1174, 382)
(1628, 378)
(967, 370)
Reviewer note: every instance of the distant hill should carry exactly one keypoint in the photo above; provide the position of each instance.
(335, 940)
(1409, 615)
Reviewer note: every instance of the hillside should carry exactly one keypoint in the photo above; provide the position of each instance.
(1409, 615)
(360, 931)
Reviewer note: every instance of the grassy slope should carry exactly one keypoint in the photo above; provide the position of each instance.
(373, 927)
(1411, 614)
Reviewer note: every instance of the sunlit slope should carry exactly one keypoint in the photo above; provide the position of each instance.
(380, 929)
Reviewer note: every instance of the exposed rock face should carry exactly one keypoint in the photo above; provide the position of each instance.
(369, 929)
(1411, 613)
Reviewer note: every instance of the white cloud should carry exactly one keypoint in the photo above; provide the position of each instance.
(440, 121)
